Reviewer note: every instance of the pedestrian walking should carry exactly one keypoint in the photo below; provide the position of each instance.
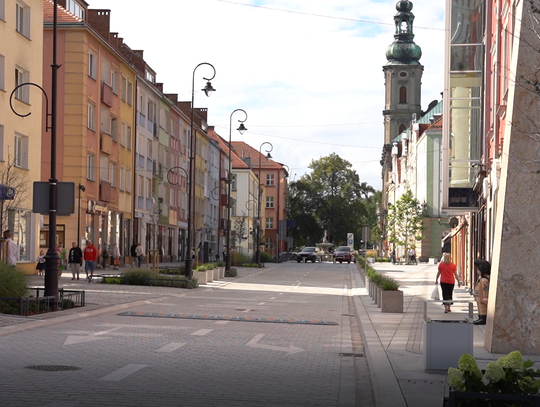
(116, 256)
(133, 254)
(481, 290)
(40, 266)
(448, 274)
(104, 255)
(12, 249)
(139, 251)
(90, 257)
(75, 258)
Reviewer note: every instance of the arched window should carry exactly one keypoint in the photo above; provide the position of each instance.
(403, 94)
(402, 128)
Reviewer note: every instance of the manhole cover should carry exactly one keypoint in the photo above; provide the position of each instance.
(53, 368)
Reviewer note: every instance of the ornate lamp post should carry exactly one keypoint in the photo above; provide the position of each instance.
(259, 197)
(192, 157)
(242, 129)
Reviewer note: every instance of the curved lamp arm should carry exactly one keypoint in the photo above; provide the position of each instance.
(48, 114)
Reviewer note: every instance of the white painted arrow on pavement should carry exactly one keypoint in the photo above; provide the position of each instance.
(74, 339)
(254, 343)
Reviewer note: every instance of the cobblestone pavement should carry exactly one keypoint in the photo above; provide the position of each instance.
(104, 355)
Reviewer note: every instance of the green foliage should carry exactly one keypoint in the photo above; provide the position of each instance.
(231, 273)
(330, 198)
(147, 278)
(389, 284)
(254, 265)
(13, 281)
(136, 276)
(240, 230)
(177, 271)
(508, 375)
(239, 258)
(405, 221)
(266, 257)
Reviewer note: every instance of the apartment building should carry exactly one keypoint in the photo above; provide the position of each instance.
(96, 104)
(21, 61)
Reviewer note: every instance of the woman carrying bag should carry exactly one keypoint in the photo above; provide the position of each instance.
(448, 274)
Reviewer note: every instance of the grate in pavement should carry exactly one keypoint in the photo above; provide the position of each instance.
(53, 368)
(228, 318)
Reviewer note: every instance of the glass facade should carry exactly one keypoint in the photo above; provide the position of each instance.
(463, 108)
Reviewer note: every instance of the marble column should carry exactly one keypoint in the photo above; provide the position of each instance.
(514, 299)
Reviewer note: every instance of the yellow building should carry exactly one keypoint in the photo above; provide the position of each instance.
(96, 116)
(21, 52)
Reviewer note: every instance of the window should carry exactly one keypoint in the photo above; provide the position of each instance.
(19, 221)
(105, 120)
(22, 19)
(269, 223)
(2, 68)
(114, 128)
(104, 167)
(92, 65)
(75, 8)
(1, 143)
(128, 180)
(148, 188)
(130, 93)
(123, 134)
(124, 88)
(140, 185)
(269, 202)
(21, 151)
(233, 182)
(22, 93)
(129, 137)
(403, 94)
(122, 178)
(270, 179)
(112, 174)
(2, 10)
(114, 81)
(91, 167)
(105, 71)
(91, 116)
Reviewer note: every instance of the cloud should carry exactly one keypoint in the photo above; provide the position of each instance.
(310, 80)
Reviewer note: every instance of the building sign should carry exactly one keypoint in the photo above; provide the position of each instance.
(97, 207)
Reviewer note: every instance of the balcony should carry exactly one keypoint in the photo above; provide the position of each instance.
(106, 94)
(224, 175)
(106, 143)
(105, 191)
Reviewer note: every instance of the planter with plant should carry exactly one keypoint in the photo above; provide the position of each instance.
(391, 298)
(201, 274)
(510, 381)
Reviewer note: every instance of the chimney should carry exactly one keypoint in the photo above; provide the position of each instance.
(100, 20)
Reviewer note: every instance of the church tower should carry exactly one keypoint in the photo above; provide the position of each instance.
(403, 75)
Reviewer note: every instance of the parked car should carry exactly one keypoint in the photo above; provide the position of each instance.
(344, 253)
(307, 254)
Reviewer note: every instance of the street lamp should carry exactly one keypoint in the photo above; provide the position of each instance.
(52, 258)
(242, 129)
(259, 197)
(191, 192)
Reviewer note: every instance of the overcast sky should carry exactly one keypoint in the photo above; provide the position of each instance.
(307, 72)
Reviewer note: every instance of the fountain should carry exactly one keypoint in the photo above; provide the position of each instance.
(323, 252)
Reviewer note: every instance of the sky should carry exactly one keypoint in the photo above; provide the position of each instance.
(307, 72)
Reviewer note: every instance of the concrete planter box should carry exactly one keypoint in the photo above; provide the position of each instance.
(210, 275)
(221, 272)
(446, 340)
(201, 276)
(392, 301)
(216, 273)
(376, 294)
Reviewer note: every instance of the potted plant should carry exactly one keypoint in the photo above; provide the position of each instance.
(391, 298)
(505, 382)
(200, 273)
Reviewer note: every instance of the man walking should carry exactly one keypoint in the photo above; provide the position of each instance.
(90, 257)
(139, 251)
(12, 249)
(75, 257)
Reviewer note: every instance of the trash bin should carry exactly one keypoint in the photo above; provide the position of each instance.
(446, 340)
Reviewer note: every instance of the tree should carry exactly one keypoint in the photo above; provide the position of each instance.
(405, 221)
(240, 230)
(330, 198)
(12, 176)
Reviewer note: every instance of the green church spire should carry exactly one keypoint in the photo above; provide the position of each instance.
(403, 51)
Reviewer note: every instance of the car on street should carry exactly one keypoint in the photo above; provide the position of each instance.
(343, 253)
(307, 254)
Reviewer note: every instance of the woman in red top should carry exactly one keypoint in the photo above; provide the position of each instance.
(448, 274)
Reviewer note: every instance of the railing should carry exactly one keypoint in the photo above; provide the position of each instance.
(39, 304)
